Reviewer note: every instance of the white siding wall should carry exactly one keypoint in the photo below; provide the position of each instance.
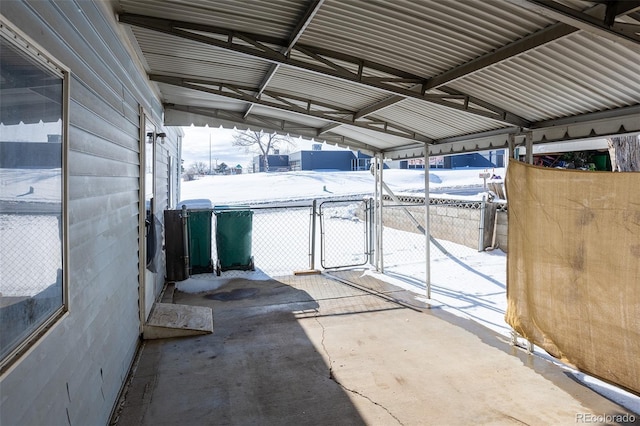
(74, 373)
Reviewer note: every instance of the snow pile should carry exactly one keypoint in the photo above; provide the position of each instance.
(209, 282)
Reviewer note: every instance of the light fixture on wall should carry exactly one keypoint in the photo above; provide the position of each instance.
(153, 136)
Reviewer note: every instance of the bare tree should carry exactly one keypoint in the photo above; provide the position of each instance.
(264, 142)
(199, 168)
(625, 153)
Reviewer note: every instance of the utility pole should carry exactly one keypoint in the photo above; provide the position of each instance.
(209, 152)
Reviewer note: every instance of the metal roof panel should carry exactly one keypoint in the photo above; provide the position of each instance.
(426, 37)
(579, 74)
(274, 17)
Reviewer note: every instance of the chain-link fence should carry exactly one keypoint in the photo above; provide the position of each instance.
(345, 233)
(30, 274)
(280, 239)
(30, 253)
(340, 233)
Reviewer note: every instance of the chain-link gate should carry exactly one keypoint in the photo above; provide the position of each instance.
(345, 233)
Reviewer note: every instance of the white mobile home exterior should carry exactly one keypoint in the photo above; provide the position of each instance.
(73, 371)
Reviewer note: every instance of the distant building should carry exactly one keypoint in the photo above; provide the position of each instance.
(477, 159)
(361, 161)
(315, 159)
(277, 163)
(321, 160)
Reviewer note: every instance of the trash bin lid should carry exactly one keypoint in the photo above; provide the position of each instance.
(196, 203)
(230, 207)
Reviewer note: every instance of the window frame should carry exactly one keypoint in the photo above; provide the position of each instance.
(37, 53)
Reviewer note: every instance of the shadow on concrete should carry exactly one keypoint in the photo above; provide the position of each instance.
(258, 366)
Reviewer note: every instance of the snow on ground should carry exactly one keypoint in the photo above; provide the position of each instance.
(29, 185)
(286, 186)
(471, 284)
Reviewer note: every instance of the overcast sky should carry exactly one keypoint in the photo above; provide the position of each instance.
(196, 147)
(202, 144)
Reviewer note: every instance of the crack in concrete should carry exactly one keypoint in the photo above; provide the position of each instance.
(334, 379)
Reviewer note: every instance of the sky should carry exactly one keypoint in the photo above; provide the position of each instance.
(205, 144)
(474, 288)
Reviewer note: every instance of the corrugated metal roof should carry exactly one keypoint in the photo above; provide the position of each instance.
(182, 96)
(321, 88)
(421, 37)
(273, 17)
(173, 55)
(569, 77)
(393, 75)
(436, 121)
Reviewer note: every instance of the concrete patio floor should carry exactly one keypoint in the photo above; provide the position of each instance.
(313, 350)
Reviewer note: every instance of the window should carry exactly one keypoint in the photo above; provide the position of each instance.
(32, 219)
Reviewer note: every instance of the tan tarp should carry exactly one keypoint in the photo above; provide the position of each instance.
(573, 267)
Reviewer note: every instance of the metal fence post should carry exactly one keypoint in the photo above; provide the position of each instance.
(312, 254)
(483, 208)
(185, 239)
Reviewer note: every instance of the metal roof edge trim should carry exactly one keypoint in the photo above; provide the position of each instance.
(589, 126)
(233, 120)
(633, 110)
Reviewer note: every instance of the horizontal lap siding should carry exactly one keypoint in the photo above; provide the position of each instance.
(73, 374)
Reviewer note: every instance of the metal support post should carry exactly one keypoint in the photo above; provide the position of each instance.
(528, 140)
(372, 230)
(380, 206)
(427, 232)
(511, 143)
(376, 201)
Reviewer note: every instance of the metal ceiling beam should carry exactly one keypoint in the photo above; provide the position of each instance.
(321, 61)
(303, 23)
(289, 103)
(293, 39)
(370, 109)
(508, 51)
(328, 128)
(183, 115)
(603, 25)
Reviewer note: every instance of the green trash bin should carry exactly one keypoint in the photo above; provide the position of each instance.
(199, 224)
(233, 239)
